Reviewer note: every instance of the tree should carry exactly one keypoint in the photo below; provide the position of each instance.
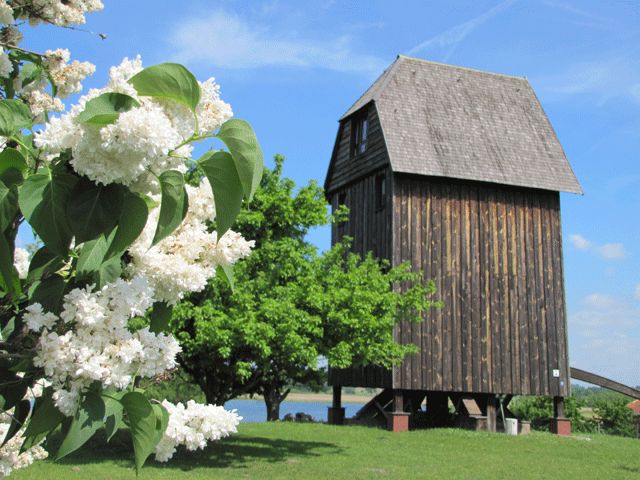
(292, 306)
(615, 417)
(121, 235)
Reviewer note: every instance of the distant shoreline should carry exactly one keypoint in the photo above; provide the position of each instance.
(319, 398)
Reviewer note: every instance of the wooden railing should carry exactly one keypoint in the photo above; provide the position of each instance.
(588, 377)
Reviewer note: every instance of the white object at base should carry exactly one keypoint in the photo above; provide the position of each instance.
(511, 426)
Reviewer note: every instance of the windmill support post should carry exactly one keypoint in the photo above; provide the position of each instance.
(398, 419)
(336, 410)
(560, 425)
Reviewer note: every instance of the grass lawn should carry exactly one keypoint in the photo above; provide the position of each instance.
(313, 451)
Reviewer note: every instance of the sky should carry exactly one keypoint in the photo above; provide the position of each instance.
(293, 68)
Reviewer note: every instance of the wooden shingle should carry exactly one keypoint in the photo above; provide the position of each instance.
(447, 121)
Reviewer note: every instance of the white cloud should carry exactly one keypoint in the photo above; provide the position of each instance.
(226, 40)
(604, 338)
(599, 300)
(579, 241)
(452, 37)
(636, 293)
(608, 251)
(612, 251)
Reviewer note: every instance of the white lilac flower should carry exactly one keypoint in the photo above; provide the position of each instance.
(40, 102)
(141, 143)
(61, 13)
(21, 262)
(66, 76)
(211, 111)
(10, 456)
(186, 259)
(6, 67)
(67, 400)
(36, 319)
(6, 13)
(100, 347)
(193, 426)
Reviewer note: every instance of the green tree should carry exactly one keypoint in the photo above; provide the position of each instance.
(539, 411)
(291, 305)
(615, 417)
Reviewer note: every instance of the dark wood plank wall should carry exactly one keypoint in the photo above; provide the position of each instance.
(495, 253)
(344, 168)
(371, 230)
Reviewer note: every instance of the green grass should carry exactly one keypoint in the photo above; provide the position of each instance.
(312, 451)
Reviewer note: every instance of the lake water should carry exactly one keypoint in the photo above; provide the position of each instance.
(255, 410)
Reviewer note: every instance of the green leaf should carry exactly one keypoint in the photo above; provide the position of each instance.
(226, 271)
(241, 141)
(92, 255)
(46, 418)
(8, 206)
(43, 264)
(7, 330)
(162, 421)
(30, 73)
(48, 293)
(168, 80)
(95, 209)
(105, 108)
(108, 272)
(160, 316)
(133, 218)
(43, 200)
(12, 158)
(142, 422)
(9, 281)
(174, 205)
(92, 264)
(113, 416)
(14, 116)
(222, 173)
(18, 418)
(13, 388)
(87, 420)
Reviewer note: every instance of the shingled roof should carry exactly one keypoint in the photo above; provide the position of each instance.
(456, 122)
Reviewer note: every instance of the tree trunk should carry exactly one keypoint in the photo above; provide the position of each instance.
(272, 400)
(273, 410)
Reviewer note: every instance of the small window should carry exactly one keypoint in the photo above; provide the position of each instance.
(381, 192)
(359, 134)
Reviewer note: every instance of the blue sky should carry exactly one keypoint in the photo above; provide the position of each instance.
(292, 68)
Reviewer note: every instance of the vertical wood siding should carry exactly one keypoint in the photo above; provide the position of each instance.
(371, 230)
(495, 255)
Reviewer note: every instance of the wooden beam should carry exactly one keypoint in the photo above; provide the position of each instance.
(337, 396)
(492, 413)
(398, 401)
(558, 407)
(594, 379)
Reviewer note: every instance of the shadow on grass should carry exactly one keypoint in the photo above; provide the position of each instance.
(233, 452)
(629, 469)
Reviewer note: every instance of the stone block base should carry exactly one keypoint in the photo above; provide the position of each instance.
(398, 422)
(524, 427)
(561, 426)
(335, 416)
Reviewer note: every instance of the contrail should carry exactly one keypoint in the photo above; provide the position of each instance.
(455, 35)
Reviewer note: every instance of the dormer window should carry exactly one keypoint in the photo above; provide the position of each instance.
(359, 133)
